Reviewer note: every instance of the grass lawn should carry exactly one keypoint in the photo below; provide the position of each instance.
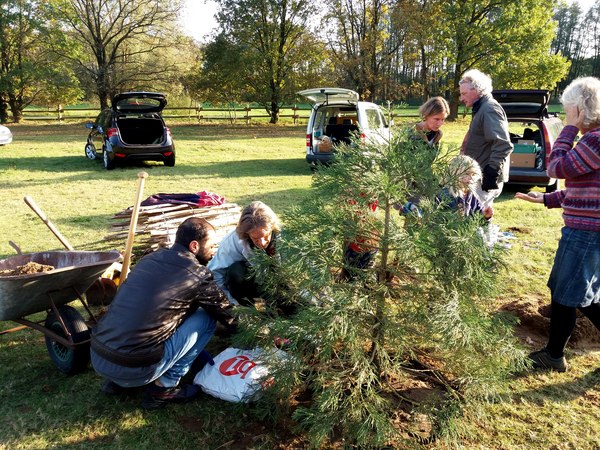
(40, 408)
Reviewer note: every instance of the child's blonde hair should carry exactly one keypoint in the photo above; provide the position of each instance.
(458, 167)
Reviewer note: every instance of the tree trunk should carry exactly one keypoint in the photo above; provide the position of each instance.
(274, 112)
(16, 107)
(455, 93)
(424, 73)
(275, 97)
(3, 111)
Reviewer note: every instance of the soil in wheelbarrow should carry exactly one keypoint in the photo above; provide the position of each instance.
(30, 267)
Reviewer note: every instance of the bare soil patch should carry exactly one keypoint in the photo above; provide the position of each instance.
(534, 322)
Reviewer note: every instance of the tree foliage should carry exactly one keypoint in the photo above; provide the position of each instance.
(117, 44)
(508, 39)
(28, 71)
(265, 51)
(358, 40)
(269, 44)
(422, 315)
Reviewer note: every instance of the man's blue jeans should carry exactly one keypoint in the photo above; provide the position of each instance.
(180, 351)
(184, 346)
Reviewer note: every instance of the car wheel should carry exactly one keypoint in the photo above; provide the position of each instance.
(90, 151)
(109, 164)
(170, 161)
(68, 360)
(553, 187)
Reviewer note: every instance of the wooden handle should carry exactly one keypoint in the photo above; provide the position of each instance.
(132, 226)
(16, 247)
(49, 224)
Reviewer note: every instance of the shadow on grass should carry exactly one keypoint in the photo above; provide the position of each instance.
(564, 392)
(241, 168)
(181, 132)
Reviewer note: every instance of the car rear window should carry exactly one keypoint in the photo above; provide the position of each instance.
(133, 103)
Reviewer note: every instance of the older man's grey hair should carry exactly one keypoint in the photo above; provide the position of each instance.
(585, 94)
(478, 81)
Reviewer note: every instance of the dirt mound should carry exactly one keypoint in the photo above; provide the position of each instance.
(30, 267)
(534, 322)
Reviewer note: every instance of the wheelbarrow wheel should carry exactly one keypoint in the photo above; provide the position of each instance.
(68, 360)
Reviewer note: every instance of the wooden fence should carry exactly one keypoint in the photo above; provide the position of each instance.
(198, 113)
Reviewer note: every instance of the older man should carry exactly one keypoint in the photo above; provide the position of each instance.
(488, 139)
(161, 319)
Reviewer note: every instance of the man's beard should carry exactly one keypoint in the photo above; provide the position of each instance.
(202, 259)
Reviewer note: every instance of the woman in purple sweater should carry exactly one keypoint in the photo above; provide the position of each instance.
(575, 278)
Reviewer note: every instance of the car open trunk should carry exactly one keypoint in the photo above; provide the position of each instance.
(141, 130)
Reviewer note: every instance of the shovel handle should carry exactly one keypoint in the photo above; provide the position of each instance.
(132, 226)
(49, 224)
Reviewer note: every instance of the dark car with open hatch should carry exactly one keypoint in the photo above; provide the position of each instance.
(533, 131)
(131, 130)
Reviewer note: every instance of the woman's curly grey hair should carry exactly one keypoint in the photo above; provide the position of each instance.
(585, 94)
(257, 215)
(478, 81)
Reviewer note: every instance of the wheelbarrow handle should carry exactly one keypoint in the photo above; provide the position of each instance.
(49, 224)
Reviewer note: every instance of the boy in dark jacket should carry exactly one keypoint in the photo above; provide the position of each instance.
(161, 319)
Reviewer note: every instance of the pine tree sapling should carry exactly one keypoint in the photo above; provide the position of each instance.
(419, 313)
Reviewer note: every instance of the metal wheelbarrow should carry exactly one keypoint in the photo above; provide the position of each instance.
(66, 332)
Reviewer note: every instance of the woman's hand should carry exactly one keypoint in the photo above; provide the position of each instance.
(573, 116)
(533, 197)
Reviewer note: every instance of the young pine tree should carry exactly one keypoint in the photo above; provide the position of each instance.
(420, 314)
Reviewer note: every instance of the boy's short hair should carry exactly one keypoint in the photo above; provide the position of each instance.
(192, 229)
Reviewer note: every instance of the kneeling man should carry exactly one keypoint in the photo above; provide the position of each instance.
(161, 319)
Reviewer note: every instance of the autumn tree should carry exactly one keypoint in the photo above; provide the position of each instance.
(29, 72)
(266, 48)
(569, 40)
(510, 40)
(592, 31)
(358, 38)
(117, 44)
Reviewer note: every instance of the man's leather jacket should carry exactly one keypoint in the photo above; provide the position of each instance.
(163, 289)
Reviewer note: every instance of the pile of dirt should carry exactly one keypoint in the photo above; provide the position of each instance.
(534, 322)
(29, 268)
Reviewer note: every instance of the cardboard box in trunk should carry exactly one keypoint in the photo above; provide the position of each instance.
(522, 159)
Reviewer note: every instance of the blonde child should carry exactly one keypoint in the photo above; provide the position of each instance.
(462, 188)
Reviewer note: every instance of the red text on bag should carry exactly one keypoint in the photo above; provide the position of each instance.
(238, 365)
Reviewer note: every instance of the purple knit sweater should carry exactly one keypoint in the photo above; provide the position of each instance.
(579, 166)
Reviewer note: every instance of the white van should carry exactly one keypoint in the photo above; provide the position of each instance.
(336, 115)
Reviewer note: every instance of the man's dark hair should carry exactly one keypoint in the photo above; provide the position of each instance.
(192, 229)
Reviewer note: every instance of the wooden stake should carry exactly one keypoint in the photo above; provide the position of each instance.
(132, 226)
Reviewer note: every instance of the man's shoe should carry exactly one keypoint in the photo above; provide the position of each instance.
(111, 388)
(157, 397)
(542, 360)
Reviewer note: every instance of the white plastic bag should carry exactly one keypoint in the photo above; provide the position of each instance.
(237, 375)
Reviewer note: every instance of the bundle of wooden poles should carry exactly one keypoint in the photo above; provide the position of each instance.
(157, 224)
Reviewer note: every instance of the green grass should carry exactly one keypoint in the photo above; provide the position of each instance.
(41, 408)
